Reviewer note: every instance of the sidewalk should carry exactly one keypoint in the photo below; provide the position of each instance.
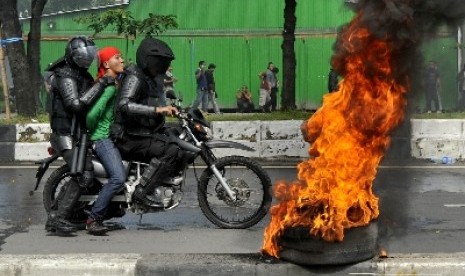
(220, 264)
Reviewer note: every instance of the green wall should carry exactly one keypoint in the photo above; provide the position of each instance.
(241, 37)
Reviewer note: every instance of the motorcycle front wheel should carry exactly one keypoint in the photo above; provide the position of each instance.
(252, 187)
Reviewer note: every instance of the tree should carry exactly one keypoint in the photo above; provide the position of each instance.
(289, 60)
(124, 24)
(25, 78)
(33, 48)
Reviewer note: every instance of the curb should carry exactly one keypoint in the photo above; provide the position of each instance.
(255, 264)
(69, 264)
(221, 264)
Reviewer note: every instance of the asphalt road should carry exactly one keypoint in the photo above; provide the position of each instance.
(421, 211)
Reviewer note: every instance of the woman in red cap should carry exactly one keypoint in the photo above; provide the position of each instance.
(99, 119)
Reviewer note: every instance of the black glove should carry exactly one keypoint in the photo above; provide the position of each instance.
(107, 80)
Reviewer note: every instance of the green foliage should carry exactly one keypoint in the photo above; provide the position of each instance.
(156, 24)
(124, 23)
(275, 116)
(40, 118)
(445, 115)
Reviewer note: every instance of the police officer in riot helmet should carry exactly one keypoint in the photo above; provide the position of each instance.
(139, 119)
(72, 91)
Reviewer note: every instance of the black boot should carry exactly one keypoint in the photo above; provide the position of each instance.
(149, 179)
(141, 194)
(57, 220)
(55, 223)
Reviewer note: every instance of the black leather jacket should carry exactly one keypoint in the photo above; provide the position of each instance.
(136, 104)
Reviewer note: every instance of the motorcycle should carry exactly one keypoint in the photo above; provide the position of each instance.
(233, 191)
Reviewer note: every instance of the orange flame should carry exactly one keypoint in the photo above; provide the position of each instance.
(349, 135)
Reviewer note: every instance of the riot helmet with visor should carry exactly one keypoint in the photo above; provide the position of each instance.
(81, 51)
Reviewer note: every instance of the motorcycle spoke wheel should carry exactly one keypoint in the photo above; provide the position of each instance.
(250, 183)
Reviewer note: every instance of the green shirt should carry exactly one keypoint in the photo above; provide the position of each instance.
(100, 116)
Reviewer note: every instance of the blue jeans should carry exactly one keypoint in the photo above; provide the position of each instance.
(113, 164)
(202, 97)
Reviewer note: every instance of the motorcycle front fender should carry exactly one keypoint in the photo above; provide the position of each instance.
(227, 144)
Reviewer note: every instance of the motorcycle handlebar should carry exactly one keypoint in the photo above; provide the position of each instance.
(181, 115)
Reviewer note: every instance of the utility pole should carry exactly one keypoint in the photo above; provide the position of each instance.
(4, 80)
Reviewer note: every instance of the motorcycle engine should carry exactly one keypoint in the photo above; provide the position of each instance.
(169, 192)
(163, 194)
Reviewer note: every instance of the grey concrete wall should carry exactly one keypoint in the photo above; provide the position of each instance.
(270, 139)
(437, 138)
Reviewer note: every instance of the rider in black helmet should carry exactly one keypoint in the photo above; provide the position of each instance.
(72, 91)
(139, 118)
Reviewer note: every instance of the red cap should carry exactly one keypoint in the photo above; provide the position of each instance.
(104, 55)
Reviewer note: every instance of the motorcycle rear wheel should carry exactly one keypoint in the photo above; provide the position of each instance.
(251, 184)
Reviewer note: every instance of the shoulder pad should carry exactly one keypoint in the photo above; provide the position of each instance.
(132, 69)
(66, 72)
(56, 64)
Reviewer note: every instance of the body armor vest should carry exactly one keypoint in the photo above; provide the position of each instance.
(61, 120)
(141, 90)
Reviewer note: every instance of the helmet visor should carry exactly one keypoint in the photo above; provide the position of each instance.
(85, 56)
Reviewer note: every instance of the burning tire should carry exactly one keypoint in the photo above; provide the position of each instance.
(359, 244)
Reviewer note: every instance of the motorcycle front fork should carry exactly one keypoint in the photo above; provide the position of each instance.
(209, 158)
(219, 176)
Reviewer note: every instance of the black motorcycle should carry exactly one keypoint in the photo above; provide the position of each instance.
(233, 191)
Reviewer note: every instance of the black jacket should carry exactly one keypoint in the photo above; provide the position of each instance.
(210, 80)
(136, 104)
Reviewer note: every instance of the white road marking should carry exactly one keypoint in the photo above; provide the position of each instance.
(454, 205)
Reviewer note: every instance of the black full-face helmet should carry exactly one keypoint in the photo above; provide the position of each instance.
(154, 56)
(81, 51)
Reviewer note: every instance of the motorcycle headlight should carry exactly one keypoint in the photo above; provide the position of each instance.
(209, 133)
(206, 131)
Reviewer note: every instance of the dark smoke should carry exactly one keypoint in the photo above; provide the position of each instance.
(406, 24)
(427, 15)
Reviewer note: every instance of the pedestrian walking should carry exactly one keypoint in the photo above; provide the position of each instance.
(431, 85)
(212, 88)
(264, 100)
(169, 80)
(461, 84)
(273, 84)
(202, 89)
